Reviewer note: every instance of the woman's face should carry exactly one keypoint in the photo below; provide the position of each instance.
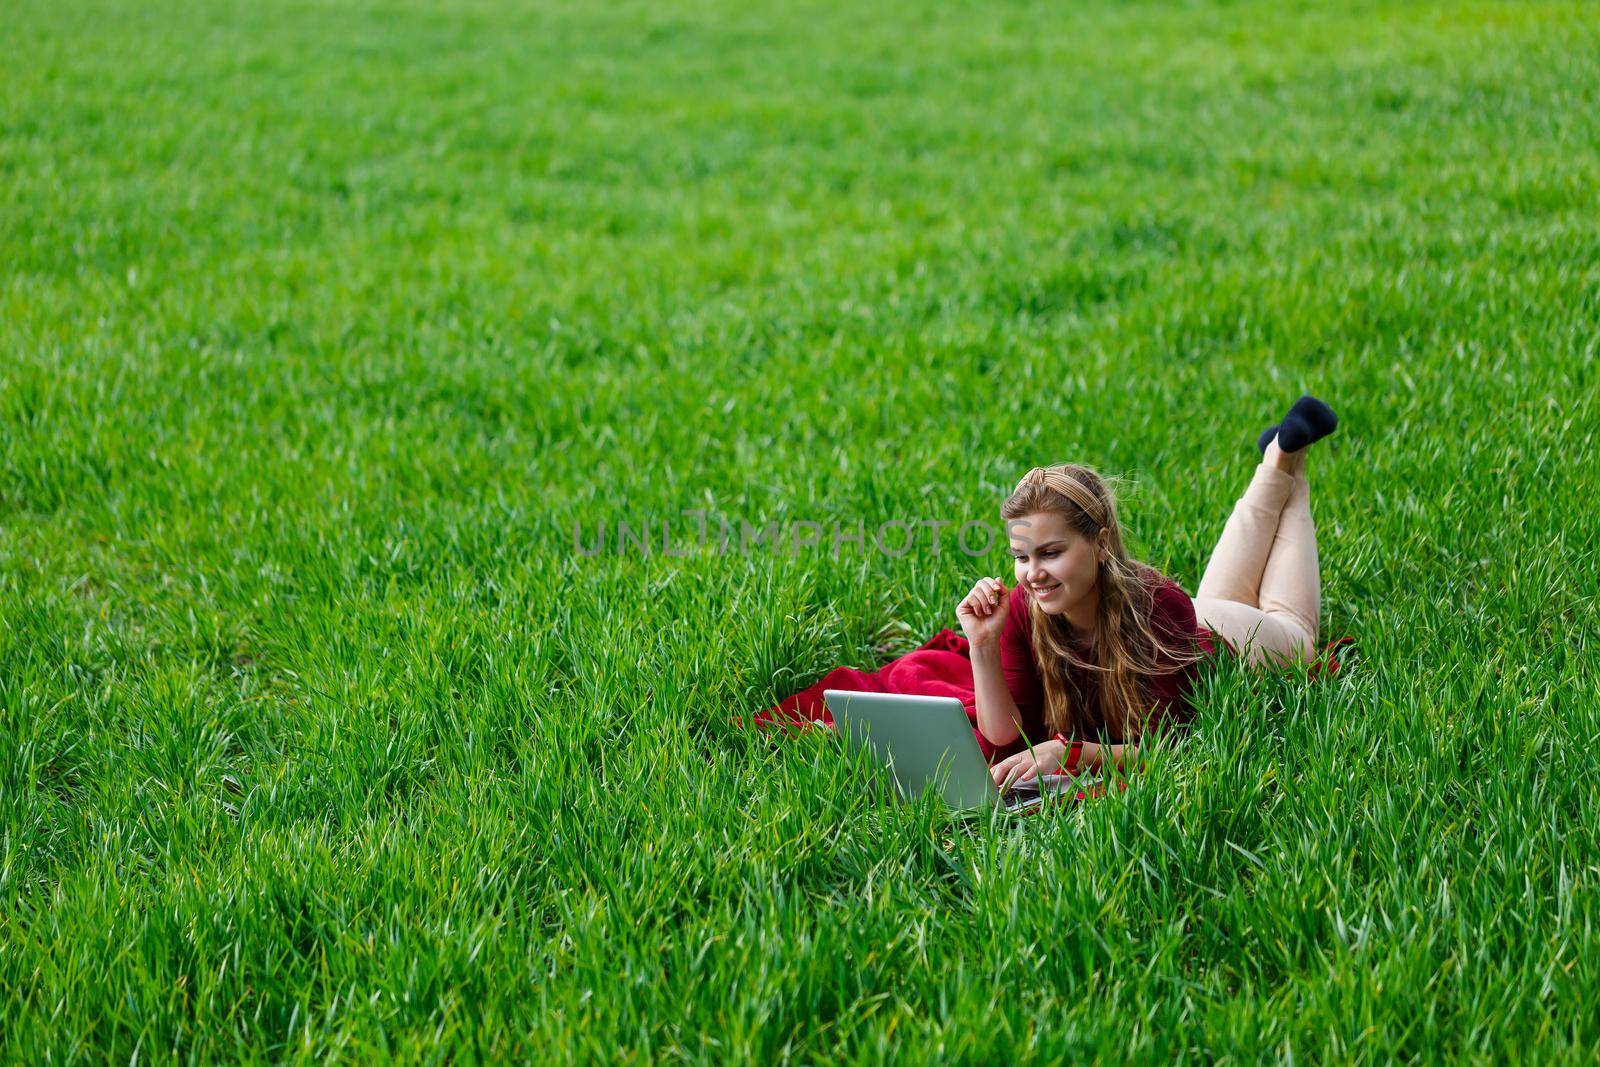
(1056, 564)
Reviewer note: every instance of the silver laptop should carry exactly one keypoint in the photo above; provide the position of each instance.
(927, 743)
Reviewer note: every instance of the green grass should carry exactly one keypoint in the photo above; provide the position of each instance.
(321, 325)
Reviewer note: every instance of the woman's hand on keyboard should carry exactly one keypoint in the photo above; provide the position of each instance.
(1043, 758)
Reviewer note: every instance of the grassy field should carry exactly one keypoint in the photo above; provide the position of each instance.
(325, 327)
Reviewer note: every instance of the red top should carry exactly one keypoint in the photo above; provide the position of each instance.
(1171, 617)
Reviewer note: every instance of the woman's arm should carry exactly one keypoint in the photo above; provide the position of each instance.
(998, 717)
(995, 652)
(1096, 756)
(1093, 757)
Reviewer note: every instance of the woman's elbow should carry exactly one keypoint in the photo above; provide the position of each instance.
(999, 737)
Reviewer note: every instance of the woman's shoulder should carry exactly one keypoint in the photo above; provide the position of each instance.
(1172, 615)
(1170, 606)
(1162, 588)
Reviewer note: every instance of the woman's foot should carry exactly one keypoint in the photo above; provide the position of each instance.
(1288, 462)
(1283, 444)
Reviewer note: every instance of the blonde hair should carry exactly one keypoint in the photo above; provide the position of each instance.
(1128, 652)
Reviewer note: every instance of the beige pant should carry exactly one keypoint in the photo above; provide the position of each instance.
(1261, 590)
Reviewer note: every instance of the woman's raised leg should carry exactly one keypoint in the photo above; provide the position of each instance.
(1291, 584)
(1261, 588)
(1252, 633)
(1240, 558)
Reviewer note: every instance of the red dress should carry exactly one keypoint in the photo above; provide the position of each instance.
(1173, 620)
(941, 667)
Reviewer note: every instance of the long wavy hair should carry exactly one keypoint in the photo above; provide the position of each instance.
(1126, 651)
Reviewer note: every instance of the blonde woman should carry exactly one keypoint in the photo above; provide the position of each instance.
(1092, 650)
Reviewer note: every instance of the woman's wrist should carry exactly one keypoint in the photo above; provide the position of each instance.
(987, 651)
(1071, 755)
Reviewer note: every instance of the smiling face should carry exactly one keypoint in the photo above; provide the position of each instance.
(1056, 564)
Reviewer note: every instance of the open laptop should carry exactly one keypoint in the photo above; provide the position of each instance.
(927, 742)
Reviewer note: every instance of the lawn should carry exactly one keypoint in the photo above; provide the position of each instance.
(332, 333)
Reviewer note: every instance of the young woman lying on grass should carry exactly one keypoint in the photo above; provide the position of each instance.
(1099, 649)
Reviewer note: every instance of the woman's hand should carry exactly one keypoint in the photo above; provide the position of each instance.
(983, 612)
(1045, 758)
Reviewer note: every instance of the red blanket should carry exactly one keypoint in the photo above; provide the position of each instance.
(940, 668)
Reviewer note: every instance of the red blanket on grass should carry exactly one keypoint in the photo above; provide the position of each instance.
(940, 668)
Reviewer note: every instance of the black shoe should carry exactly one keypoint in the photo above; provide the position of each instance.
(1266, 438)
(1308, 421)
